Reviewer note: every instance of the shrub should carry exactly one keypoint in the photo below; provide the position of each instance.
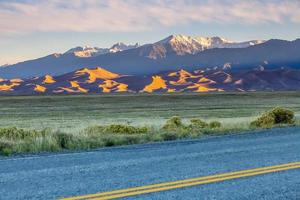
(276, 116)
(64, 139)
(267, 120)
(94, 130)
(173, 123)
(7, 151)
(214, 124)
(283, 116)
(124, 129)
(115, 128)
(117, 140)
(198, 123)
(14, 133)
(169, 136)
(6, 148)
(109, 141)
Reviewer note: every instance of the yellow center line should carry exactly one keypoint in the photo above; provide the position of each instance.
(189, 184)
(186, 182)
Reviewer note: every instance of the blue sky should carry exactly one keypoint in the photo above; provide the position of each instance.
(34, 28)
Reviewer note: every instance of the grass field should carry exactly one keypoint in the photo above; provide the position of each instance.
(71, 113)
(54, 123)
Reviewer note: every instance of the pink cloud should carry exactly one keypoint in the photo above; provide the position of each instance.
(136, 15)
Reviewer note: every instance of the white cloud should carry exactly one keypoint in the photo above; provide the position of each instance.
(18, 17)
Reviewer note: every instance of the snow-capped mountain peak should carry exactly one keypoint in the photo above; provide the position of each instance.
(201, 43)
(88, 51)
(183, 44)
(120, 46)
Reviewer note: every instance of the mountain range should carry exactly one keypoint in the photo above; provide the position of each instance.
(173, 52)
(252, 65)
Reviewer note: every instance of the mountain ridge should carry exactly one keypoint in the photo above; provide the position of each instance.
(88, 51)
(161, 56)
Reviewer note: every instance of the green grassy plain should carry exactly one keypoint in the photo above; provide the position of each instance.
(74, 112)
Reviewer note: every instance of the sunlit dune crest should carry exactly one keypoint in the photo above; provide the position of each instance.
(172, 74)
(122, 87)
(75, 88)
(206, 80)
(238, 82)
(70, 90)
(16, 80)
(5, 87)
(39, 88)
(203, 88)
(170, 90)
(157, 83)
(64, 89)
(182, 77)
(75, 84)
(8, 87)
(183, 73)
(49, 80)
(98, 73)
(110, 85)
(181, 81)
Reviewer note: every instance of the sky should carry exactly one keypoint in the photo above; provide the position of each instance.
(34, 28)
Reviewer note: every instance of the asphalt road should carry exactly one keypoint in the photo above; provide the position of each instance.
(64, 175)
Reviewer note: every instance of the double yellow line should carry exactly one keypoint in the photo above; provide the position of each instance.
(186, 182)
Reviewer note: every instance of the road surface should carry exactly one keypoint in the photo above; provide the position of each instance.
(57, 176)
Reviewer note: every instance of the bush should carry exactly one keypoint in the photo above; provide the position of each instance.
(117, 140)
(169, 136)
(198, 123)
(6, 148)
(7, 151)
(283, 116)
(276, 116)
(14, 133)
(173, 123)
(125, 129)
(115, 128)
(64, 139)
(267, 120)
(215, 124)
(94, 130)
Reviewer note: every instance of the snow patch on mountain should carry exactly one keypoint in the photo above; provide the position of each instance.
(183, 44)
(88, 51)
(120, 46)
